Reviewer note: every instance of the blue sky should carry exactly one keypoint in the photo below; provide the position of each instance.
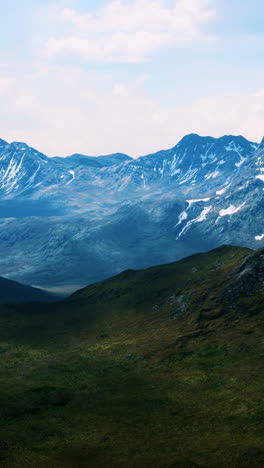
(129, 75)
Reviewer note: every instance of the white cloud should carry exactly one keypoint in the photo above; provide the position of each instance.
(126, 48)
(184, 18)
(119, 89)
(96, 109)
(65, 110)
(130, 32)
(6, 82)
(239, 114)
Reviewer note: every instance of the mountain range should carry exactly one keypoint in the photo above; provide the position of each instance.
(68, 222)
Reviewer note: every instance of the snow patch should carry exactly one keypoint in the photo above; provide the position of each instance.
(233, 147)
(191, 202)
(212, 175)
(199, 219)
(182, 217)
(222, 191)
(189, 175)
(259, 238)
(143, 179)
(177, 171)
(242, 160)
(231, 210)
(73, 177)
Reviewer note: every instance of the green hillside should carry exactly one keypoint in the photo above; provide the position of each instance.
(155, 368)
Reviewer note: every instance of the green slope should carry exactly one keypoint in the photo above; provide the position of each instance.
(154, 368)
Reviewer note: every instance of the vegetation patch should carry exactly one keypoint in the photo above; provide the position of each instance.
(108, 378)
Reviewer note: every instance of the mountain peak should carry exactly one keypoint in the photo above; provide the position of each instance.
(19, 148)
(3, 143)
(99, 161)
(19, 145)
(237, 138)
(194, 138)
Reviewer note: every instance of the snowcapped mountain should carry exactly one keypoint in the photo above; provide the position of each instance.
(27, 172)
(79, 219)
(195, 163)
(23, 169)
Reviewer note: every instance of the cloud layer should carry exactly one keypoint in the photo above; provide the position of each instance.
(131, 76)
(65, 110)
(130, 32)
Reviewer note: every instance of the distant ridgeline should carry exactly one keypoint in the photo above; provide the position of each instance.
(12, 292)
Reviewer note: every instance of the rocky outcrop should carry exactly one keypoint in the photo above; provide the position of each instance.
(247, 279)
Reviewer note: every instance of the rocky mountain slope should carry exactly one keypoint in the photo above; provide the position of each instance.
(76, 220)
(161, 367)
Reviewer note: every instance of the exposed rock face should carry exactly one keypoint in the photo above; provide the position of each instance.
(247, 279)
(180, 309)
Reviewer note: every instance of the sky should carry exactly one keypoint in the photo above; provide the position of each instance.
(132, 76)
